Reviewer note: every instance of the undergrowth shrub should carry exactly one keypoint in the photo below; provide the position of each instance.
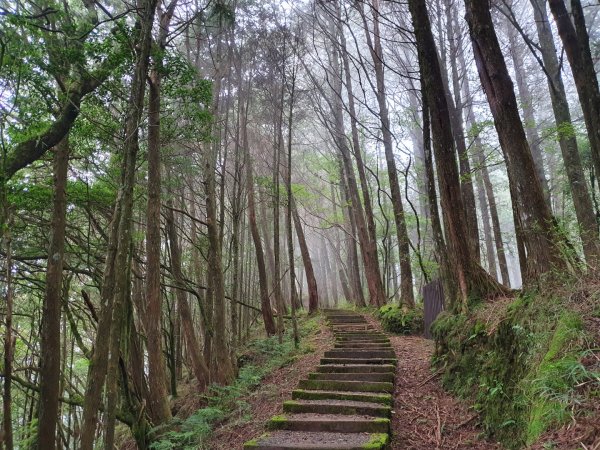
(259, 358)
(395, 320)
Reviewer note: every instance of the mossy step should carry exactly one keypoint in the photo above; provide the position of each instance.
(345, 385)
(356, 368)
(330, 423)
(358, 333)
(328, 360)
(366, 345)
(378, 346)
(352, 376)
(363, 341)
(346, 318)
(371, 397)
(356, 353)
(346, 407)
(355, 335)
(297, 440)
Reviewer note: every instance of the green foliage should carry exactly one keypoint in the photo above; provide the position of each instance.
(397, 320)
(521, 370)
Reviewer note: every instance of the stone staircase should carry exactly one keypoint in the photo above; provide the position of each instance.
(346, 403)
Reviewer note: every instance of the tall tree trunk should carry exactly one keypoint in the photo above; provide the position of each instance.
(539, 235)
(265, 304)
(159, 407)
(311, 281)
(526, 98)
(357, 151)
(9, 340)
(288, 216)
(114, 284)
(276, 201)
(584, 209)
(480, 161)
(351, 250)
(469, 279)
(455, 104)
(576, 43)
(199, 365)
(406, 278)
(367, 245)
(50, 334)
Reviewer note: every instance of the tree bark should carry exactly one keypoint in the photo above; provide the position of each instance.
(406, 278)
(159, 408)
(582, 202)
(50, 333)
(265, 304)
(114, 284)
(199, 365)
(455, 104)
(468, 278)
(539, 235)
(576, 43)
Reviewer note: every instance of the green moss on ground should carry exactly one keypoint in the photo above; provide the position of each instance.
(519, 364)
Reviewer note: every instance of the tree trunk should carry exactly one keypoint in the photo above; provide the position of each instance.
(159, 408)
(406, 278)
(469, 279)
(539, 235)
(114, 284)
(265, 304)
(487, 184)
(9, 340)
(50, 334)
(582, 202)
(531, 131)
(311, 281)
(367, 245)
(456, 104)
(199, 365)
(576, 43)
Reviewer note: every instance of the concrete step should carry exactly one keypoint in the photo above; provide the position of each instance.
(356, 353)
(330, 423)
(327, 360)
(356, 368)
(363, 346)
(347, 407)
(352, 376)
(345, 385)
(297, 440)
(371, 397)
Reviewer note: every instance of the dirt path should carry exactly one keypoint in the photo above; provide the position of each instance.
(425, 415)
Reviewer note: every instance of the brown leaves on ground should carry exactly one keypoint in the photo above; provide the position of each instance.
(425, 415)
(268, 400)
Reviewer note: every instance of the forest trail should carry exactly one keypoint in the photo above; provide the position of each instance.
(347, 402)
(422, 415)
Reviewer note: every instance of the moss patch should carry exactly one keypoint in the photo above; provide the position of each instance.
(520, 369)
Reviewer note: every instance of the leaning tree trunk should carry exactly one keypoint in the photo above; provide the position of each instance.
(539, 234)
(464, 166)
(311, 281)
